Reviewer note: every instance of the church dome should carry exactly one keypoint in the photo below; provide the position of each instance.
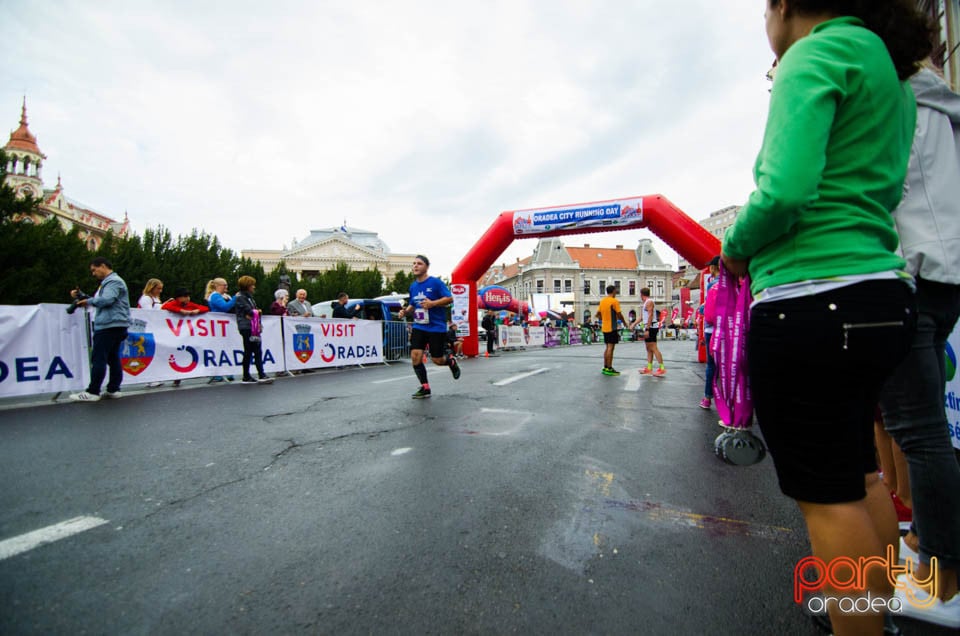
(22, 138)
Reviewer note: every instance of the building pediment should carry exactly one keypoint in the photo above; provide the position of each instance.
(335, 249)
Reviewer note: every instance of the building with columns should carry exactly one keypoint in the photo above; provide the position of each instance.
(578, 276)
(25, 175)
(323, 249)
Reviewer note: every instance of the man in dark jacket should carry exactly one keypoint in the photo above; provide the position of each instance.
(340, 309)
(489, 325)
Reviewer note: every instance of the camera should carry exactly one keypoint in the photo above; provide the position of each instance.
(73, 306)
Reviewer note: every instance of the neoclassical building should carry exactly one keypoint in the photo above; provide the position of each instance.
(578, 276)
(323, 249)
(24, 175)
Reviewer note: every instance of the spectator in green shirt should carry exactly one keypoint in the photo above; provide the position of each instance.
(833, 309)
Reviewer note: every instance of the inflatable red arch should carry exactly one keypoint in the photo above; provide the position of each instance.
(654, 212)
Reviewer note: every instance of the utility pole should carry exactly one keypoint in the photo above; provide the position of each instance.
(945, 13)
(951, 32)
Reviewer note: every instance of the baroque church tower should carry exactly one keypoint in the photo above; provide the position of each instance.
(24, 175)
(24, 159)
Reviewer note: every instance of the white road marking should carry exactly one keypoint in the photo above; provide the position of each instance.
(405, 377)
(512, 379)
(401, 451)
(25, 542)
(498, 422)
(633, 380)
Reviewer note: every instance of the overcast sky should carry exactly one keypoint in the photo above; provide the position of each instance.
(420, 120)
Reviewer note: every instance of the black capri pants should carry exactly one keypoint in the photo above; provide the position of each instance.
(817, 365)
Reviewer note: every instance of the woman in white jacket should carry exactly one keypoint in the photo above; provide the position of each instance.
(151, 300)
(928, 222)
(151, 295)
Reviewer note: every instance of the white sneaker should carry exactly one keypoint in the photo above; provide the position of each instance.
(83, 396)
(907, 554)
(942, 613)
(265, 381)
(111, 395)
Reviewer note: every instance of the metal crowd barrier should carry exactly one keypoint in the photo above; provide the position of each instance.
(396, 340)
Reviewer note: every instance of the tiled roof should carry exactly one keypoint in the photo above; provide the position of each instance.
(603, 258)
(498, 273)
(22, 138)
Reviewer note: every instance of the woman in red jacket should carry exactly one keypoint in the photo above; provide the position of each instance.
(181, 304)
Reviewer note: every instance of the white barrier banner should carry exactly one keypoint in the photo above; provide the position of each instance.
(536, 336)
(460, 314)
(42, 350)
(331, 342)
(162, 345)
(952, 402)
(511, 336)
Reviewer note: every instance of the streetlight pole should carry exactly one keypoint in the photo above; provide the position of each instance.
(520, 289)
(583, 298)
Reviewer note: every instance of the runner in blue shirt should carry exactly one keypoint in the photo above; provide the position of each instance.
(428, 297)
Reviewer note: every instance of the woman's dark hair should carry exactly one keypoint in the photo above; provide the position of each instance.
(908, 33)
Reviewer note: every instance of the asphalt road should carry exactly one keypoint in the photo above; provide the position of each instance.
(532, 496)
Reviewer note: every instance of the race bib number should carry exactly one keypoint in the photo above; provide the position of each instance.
(421, 316)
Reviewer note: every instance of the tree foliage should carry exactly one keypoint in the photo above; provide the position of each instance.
(41, 262)
(326, 286)
(188, 261)
(401, 283)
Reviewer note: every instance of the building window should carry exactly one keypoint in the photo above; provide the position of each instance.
(568, 285)
(586, 287)
(539, 285)
(616, 284)
(632, 288)
(660, 292)
(556, 285)
(603, 287)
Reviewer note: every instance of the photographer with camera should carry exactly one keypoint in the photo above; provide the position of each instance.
(110, 322)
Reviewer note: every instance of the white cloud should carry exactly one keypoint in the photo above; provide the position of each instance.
(420, 120)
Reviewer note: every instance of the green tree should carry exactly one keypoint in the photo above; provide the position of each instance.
(267, 287)
(333, 281)
(39, 262)
(187, 261)
(367, 283)
(401, 283)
